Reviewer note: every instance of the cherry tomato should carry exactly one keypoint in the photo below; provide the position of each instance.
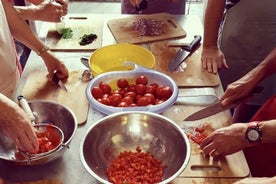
(131, 87)
(122, 83)
(155, 85)
(150, 89)
(105, 101)
(122, 104)
(163, 92)
(115, 99)
(142, 80)
(105, 88)
(97, 92)
(131, 94)
(150, 97)
(128, 99)
(143, 101)
(140, 89)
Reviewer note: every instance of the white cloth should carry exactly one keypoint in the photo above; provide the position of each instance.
(247, 37)
(9, 73)
(155, 6)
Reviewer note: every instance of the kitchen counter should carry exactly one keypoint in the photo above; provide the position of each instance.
(69, 169)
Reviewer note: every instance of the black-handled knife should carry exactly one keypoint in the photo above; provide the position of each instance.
(183, 53)
(59, 82)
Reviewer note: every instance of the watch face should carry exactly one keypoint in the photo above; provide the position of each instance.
(253, 135)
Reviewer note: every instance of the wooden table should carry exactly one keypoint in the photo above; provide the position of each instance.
(69, 169)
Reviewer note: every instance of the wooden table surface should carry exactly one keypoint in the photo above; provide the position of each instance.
(69, 169)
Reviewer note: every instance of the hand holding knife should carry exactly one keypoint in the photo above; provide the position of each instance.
(59, 82)
(217, 107)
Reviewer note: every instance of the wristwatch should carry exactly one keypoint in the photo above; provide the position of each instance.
(253, 133)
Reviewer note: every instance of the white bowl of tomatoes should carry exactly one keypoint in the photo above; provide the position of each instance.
(140, 89)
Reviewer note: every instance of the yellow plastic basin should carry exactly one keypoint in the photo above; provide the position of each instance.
(112, 57)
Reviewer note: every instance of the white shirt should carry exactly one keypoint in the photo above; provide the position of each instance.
(9, 73)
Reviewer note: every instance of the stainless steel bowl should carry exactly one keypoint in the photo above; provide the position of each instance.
(45, 112)
(124, 131)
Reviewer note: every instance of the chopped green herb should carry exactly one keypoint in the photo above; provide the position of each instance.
(66, 33)
(87, 39)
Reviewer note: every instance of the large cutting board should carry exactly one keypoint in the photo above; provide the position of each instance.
(192, 75)
(80, 24)
(124, 32)
(37, 86)
(231, 166)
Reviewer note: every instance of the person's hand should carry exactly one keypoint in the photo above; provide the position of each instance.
(16, 125)
(54, 65)
(225, 141)
(52, 11)
(255, 180)
(236, 90)
(212, 59)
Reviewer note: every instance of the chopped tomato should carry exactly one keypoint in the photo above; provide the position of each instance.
(134, 168)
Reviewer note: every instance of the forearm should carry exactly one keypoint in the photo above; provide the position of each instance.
(20, 29)
(268, 131)
(212, 21)
(266, 68)
(27, 12)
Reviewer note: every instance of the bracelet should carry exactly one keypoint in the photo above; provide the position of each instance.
(44, 49)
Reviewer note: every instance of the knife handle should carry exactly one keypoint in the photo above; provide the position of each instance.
(196, 41)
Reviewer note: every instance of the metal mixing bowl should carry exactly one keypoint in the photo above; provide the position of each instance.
(45, 111)
(124, 131)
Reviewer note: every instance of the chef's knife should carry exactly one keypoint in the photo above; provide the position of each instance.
(183, 53)
(217, 107)
(59, 82)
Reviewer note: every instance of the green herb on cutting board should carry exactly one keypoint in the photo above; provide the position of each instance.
(88, 38)
(66, 33)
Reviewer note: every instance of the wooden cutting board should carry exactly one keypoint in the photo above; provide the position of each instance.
(231, 166)
(37, 87)
(124, 32)
(80, 24)
(191, 76)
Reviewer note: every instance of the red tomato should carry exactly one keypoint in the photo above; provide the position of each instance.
(163, 92)
(115, 99)
(122, 104)
(158, 101)
(142, 80)
(97, 92)
(105, 88)
(105, 101)
(131, 87)
(143, 101)
(128, 99)
(140, 89)
(155, 85)
(131, 94)
(150, 97)
(150, 89)
(122, 83)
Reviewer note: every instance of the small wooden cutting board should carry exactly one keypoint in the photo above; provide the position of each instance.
(37, 87)
(192, 75)
(80, 24)
(124, 32)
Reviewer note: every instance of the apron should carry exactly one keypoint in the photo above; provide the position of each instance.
(155, 6)
(9, 71)
(262, 159)
(247, 37)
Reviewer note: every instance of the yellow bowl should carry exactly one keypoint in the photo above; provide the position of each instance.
(112, 57)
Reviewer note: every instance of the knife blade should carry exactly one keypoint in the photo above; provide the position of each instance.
(217, 107)
(183, 53)
(59, 82)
